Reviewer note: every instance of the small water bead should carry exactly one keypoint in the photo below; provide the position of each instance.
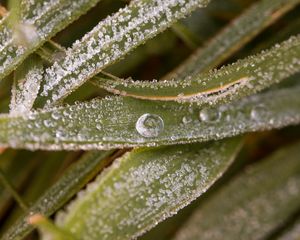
(187, 119)
(209, 115)
(149, 125)
(257, 112)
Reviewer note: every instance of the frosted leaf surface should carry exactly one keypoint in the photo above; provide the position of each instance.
(39, 21)
(144, 187)
(26, 85)
(243, 29)
(252, 205)
(244, 77)
(110, 40)
(111, 122)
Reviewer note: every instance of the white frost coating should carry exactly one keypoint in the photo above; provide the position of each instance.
(111, 39)
(25, 90)
(144, 187)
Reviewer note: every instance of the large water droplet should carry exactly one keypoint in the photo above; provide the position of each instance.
(209, 115)
(149, 125)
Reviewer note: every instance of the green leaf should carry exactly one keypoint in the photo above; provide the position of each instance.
(18, 171)
(61, 192)
(233, 37)
(118, 122)
(40, 20)
(11, 189)
(242, 78)
(253, 204)
(41, 179)
(144, 187)
(51, 51)
(27, 79)
(110, 40)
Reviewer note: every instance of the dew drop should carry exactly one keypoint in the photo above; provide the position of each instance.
(257, 111)
(149, 125)
(209, 115)
(187, 119)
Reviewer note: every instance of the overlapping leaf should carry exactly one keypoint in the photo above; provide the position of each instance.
(245, 77)
(61, 192)
(252, 205)
(110, 40)
(40, 20)
(144, 187)
(234, 36)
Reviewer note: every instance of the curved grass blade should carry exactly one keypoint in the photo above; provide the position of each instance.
(61, 192)
(18, 172)
(144, 187)
(189, 38)
(51, 52)
(233, 37)
(11, 189)
(27, 79)
(251, 205)
(117, 122)
(40, 180)
(110, 40)
(40, 20)
(242, 78)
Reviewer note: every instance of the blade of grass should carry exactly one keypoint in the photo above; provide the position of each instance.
(233, 37)
(11, 189)
(188, 37)
(18, 172)
(117, 122)
(251, 205)
(42, 19)
(144, 187)
(242, 78)
(61, 192)
(40, 180)
(51, 51)
(110, 40)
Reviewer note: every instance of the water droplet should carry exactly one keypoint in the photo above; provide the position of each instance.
(149, 125)
(187, 119)
(209, 115)
(55, 115)
(257, 111)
